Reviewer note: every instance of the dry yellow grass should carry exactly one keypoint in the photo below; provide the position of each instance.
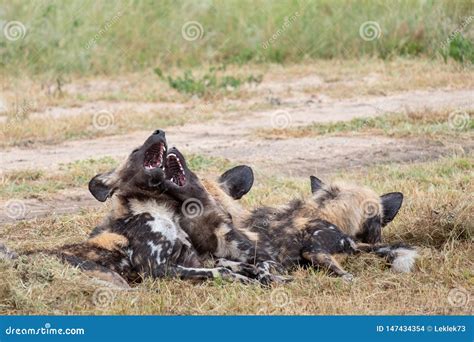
(437, 216)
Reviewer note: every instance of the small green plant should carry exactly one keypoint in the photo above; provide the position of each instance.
(460, 49)
(211, 81)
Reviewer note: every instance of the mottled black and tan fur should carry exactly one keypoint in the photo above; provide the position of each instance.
(336, 219)
(141, 234)
(213, 230)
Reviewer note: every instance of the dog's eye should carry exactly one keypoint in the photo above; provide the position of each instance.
(135, 150)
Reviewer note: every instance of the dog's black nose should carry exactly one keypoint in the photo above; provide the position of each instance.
(159, 132)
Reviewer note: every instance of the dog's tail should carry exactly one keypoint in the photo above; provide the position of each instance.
(401, 257)
(6, 254)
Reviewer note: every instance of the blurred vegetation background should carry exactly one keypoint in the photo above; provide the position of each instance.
(109, 37)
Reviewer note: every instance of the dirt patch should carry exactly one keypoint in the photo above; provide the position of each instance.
(326, 155)
(68, 201)
(216, 136)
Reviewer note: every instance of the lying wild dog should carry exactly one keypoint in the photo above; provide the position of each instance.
(212, 230)
(148, 217)
(104, 260)
(337, 218)
(141, 234)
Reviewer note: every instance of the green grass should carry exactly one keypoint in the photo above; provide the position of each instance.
(208, 83)
(91, 37)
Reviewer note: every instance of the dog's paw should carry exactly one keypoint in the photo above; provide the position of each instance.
(269, 279)
(348, 278)
(229, 275)
(238, 267)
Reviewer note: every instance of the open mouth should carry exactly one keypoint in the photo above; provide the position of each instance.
(154, 156)
(174, 170)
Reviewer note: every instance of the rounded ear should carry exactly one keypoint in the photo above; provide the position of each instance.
(316, 184)
(237, 181)
(391, 203)
(102, 186)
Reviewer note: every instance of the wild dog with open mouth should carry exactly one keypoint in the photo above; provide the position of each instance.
(141, 235)
(149, 217)
(336, 219)
(209, 213)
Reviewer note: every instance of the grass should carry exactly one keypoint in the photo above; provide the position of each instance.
(209, 83)
(31, 183)
(430, 124)
(51, 130)
(110, 37)
(437, 216)
(131, 57)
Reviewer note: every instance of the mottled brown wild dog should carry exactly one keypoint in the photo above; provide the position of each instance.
(141, 234)
(337, 219)
(210, 215)
(149, 217)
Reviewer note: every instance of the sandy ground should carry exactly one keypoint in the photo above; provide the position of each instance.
(233, 137)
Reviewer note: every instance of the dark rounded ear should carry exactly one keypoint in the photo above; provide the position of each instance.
(237, 181)
(316, 183)
(102, 186)
(391, 203)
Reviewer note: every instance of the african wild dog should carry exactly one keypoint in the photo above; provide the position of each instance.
(148, 216)
(141, 235)
(212, 230)
(103, 259)
(337, 218)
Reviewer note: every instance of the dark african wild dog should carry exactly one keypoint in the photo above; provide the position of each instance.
(212, 230)
(141, 234)
(336, 219)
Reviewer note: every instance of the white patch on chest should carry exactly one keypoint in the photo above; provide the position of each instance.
(163, 217)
